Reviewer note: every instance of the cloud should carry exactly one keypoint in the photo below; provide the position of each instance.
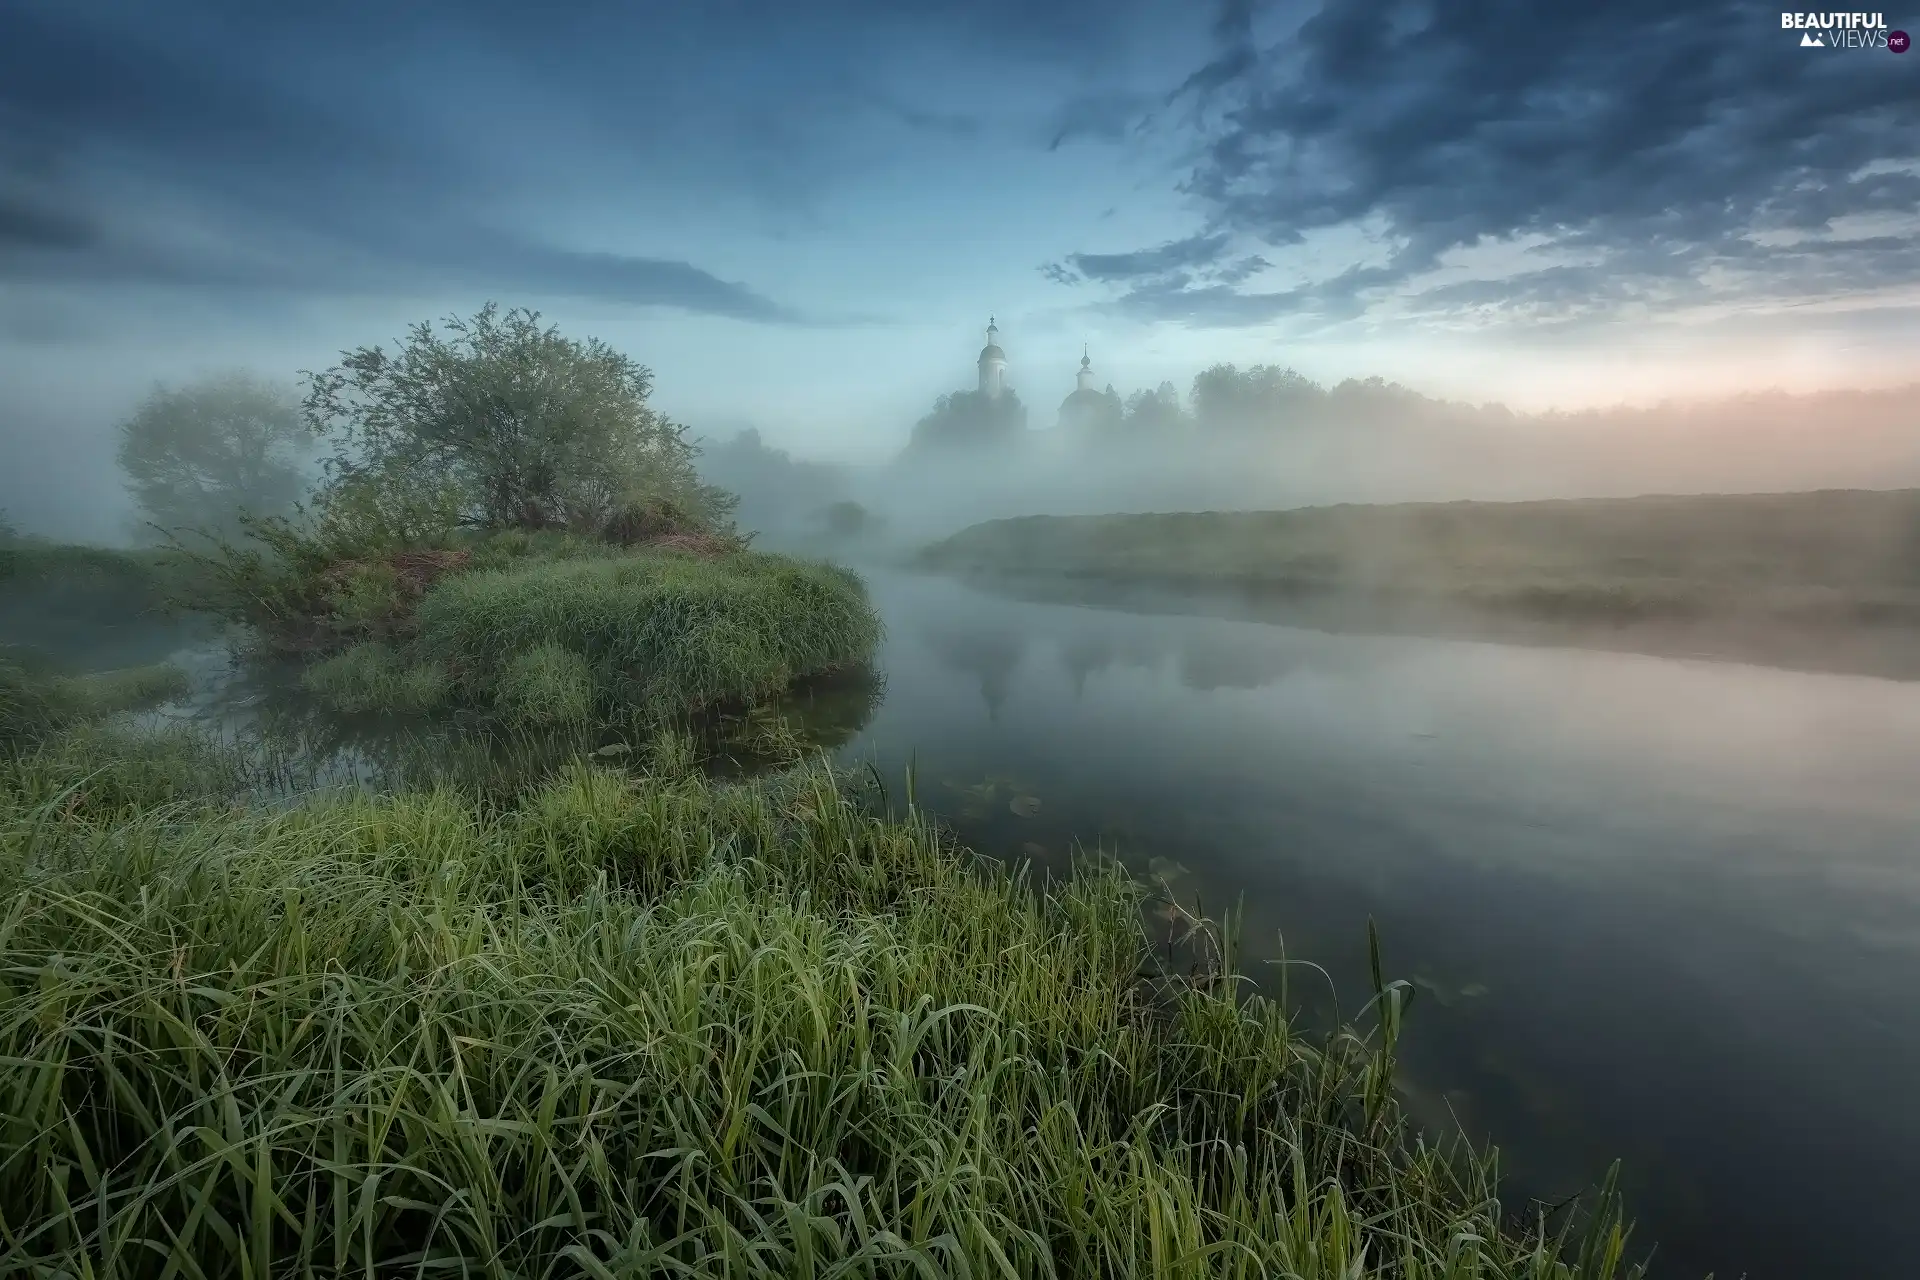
(1171, 257)
(23, 225)
(1109, 115)
(1663, 145)
(179, 157)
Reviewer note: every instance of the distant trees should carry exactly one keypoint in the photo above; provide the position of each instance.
(497, 421)
(198, 457)
(846, 519)
(1156, 411)
(778, 493)
(1262, 396)
(967, 419)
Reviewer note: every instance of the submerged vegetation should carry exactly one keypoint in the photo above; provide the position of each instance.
(1841, 557)
(643, 1024)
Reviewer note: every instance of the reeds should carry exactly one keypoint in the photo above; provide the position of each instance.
(662, 1026)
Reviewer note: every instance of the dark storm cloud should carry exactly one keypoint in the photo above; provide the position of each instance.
(1656, 143)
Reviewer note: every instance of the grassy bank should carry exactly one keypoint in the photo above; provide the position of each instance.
(548, 629)
(1836, 558)
(661, 1026)
(565, 640)
(38, 701)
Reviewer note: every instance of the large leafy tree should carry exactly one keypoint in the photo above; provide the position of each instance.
(509, 422)
(197, 457)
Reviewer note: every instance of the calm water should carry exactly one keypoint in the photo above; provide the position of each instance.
(1661, 910)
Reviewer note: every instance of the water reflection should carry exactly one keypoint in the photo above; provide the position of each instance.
(1660, 910)
(988, 655)
(259, 703)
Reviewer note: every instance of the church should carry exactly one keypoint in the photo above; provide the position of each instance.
(1083, 408)
(992, 415)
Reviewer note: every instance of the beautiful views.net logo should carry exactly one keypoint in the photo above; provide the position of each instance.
(1845, 31)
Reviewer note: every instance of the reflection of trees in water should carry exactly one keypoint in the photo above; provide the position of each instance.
(1203, 662)
(1083, 655)
(264, 703)
(989, 656)
(1231, 663)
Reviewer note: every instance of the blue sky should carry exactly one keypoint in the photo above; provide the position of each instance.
(801, 216)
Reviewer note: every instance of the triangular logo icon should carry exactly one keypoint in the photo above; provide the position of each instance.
(1809, 40)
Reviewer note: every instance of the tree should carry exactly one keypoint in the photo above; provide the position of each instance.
(200, 456)
(777, 491)
(515, 425)
(1153, 411)
(968, 419)
(1263, 396)
(846, 519)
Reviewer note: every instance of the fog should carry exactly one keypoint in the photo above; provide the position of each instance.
(1356, 443)
(1384, 445)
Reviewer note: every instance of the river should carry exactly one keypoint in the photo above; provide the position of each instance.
(1660, 910)
(1657, 909)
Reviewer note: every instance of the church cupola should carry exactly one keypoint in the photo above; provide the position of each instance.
(1087, 409)
(993, 363)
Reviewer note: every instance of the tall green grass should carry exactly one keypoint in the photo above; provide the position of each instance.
(650, 634)
(666, 1027)
(371, 676)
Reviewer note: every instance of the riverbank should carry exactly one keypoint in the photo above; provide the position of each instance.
(644, 1021)
(1835, 560)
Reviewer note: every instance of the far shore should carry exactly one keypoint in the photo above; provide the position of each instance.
(1825, 581)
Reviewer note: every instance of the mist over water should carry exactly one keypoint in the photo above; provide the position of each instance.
(1630, 791)
(1657, 910)
(1390, 446)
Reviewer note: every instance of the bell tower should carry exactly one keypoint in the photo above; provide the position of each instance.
(993, 364)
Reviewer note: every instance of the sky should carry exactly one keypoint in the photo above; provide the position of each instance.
(801, 216)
